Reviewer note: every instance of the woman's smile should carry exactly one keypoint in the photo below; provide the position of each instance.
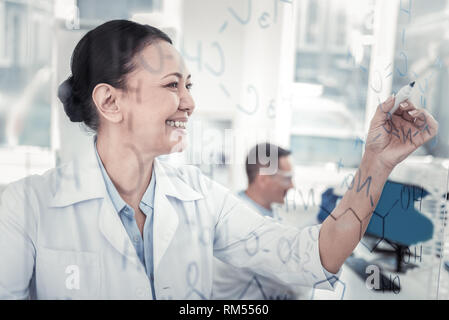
(177, 124)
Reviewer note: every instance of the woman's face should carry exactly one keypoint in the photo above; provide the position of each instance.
(157, 103)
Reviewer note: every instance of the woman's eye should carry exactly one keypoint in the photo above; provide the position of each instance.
(174, 85)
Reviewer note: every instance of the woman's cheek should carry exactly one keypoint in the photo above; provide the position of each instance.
(175, 101)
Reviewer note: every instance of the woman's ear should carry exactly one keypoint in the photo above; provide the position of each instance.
(105, 98)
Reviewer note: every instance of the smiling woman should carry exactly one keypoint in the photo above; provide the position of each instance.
(130, 85)
(135, 226)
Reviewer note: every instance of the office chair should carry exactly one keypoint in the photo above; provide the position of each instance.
(394, 221)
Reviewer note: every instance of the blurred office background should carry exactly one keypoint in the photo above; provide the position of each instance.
(305, 74)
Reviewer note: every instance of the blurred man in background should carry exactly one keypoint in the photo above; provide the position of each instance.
(265, 189)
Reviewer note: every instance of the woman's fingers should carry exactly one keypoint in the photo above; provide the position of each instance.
(403, 110)
(419, 118)
(424, 121)
(405, 106)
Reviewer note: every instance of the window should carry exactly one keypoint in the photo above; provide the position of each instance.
(102, 10)
(332, 54)
(25, 75)
(422, 54)
(25, 87)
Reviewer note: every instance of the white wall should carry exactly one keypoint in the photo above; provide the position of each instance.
(252, 58)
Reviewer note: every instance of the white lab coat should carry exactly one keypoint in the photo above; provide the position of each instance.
(240, 284)
(61, 238)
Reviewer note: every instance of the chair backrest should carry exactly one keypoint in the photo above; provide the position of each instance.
(395, 217)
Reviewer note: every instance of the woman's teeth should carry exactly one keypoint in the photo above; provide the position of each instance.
(176, 124)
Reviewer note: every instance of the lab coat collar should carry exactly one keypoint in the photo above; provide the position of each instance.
(81, 180)
(171, 182)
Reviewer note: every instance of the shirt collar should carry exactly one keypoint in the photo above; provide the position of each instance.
(264, 211)
(148, 196)
(116, 199)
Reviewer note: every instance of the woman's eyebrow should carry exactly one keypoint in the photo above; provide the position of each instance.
(177, 74)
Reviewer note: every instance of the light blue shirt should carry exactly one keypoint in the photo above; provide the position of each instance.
(264, 211)
(143, 246)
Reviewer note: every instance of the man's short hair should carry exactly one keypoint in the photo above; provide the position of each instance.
(262, 155)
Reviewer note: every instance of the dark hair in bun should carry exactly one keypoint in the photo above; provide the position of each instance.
(67, 98)
(104, 55)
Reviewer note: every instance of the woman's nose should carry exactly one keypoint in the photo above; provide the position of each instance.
(186, 103)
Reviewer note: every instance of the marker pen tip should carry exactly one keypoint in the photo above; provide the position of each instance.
(412, 84)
